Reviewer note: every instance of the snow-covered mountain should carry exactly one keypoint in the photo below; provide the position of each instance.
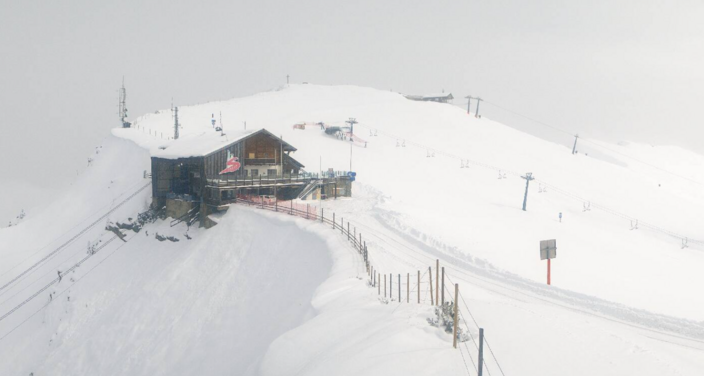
(263, 293)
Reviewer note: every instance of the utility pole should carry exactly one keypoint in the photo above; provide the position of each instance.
(351, 122)
(528, 177)
(478, 100)
(175, 123)
(574, 148)
(469, 102)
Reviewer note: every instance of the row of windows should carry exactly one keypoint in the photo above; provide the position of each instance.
(255, 172)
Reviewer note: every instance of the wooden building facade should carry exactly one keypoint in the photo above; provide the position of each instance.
(186, 178)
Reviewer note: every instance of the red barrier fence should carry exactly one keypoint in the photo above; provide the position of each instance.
(306, 211)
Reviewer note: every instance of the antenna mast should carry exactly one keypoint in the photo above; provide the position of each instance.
(222, 127)
(175, 123)
(122, 106)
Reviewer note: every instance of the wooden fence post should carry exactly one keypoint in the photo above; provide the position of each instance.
(443, 286)
(408, 287)
(454, 326)
(480, 366)
(291, 213)
(348, 230)
(333, 220)
(437, 282)
(391, 286)
(307, 209)
(384, 285)
(419, 287)
(322, 215)
(379, 284)
(366, 261)
(399, 288)
(430, 275)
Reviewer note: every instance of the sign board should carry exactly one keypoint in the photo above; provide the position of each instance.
(352, 175)
(548, 249)
(232, 164)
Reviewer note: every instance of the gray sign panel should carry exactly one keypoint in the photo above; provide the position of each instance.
(548, 249)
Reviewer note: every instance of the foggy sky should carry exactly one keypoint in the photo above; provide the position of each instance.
(611, 70)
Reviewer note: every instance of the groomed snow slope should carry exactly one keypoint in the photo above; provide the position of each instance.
(622, 301)
(472, 209)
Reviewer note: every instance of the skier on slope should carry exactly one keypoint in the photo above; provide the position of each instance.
(560, 216)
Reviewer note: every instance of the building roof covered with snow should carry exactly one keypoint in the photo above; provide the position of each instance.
(206, 143)
(441, 97)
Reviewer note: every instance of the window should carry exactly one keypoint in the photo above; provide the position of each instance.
(255, 172)
(271, 172)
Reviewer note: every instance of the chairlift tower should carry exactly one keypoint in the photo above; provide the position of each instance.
(122, 106)
(528, 177)
(469, 103)
(574, 147)
(351, 122)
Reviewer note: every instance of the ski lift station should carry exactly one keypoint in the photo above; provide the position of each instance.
(203, 174)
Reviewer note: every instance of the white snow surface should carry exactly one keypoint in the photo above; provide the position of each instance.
(268, 294)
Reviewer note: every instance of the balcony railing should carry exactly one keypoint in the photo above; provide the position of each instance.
(259, 161)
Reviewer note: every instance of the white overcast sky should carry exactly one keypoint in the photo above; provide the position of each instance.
(613, 70)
